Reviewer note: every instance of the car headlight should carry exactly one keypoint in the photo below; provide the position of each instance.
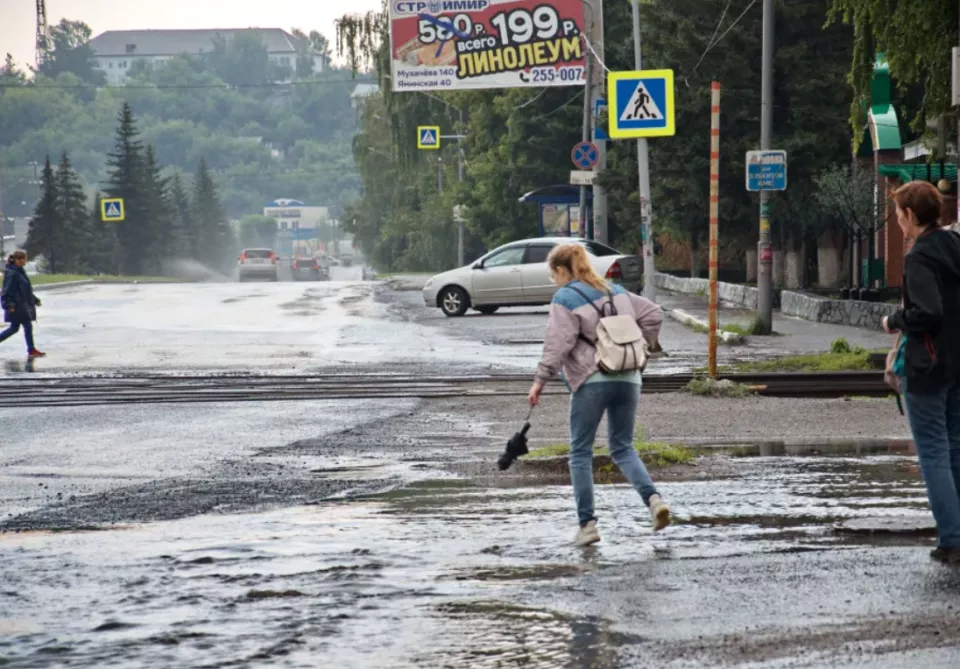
(428, 283)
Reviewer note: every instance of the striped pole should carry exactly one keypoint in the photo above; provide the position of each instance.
(714, 222)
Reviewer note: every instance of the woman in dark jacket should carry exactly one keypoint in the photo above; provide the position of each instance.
(930, 321)
(18, 302)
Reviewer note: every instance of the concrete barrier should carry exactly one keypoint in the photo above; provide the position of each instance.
(692, 321)
(745, 297)
(837, 312)
(791, 303)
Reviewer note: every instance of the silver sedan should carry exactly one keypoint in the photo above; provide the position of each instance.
(517, 275)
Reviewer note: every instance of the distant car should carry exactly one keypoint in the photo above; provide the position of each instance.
(309, 269)
(257, 264)
(516, 274)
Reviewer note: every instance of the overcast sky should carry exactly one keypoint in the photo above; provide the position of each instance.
(18, 17)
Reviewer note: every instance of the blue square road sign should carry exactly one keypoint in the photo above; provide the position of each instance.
(641, 104)
(766, 170)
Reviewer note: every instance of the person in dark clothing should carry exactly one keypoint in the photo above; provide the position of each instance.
(930, 321)
(18, 302)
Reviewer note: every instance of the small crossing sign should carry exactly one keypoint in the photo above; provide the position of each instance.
(585, 155)
(641, 104)
(428, 137)
(111, 210)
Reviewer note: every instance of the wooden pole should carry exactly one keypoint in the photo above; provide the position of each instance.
(714, 222)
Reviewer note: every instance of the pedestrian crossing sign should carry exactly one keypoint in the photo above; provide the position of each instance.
(111, 210)
(428, 137)
(641, 104)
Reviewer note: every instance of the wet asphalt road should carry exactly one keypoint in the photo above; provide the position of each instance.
(335, 533)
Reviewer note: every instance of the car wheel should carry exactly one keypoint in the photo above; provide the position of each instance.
(487, 311)
(454, 301)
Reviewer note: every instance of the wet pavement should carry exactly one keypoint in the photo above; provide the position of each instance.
(377, 533)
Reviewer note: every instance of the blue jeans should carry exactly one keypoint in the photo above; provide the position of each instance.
(935, 423)
(14, 328)
(620, 401)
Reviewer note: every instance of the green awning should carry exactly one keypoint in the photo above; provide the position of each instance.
(914, 172)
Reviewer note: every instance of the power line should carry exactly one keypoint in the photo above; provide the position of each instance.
(154, 87)
(733, 25)
(714, 36)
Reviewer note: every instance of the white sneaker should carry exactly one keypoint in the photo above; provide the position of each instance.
(659, 513)
(587, 535)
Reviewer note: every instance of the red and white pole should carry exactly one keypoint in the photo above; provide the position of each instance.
(714, 223)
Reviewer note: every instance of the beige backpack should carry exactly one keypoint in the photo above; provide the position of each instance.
(620, 344)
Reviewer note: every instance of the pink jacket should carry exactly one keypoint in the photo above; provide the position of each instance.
(571, 315)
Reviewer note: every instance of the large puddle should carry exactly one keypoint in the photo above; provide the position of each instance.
(438, 574)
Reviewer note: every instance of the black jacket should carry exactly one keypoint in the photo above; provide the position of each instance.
(930, 316)
(17, 295)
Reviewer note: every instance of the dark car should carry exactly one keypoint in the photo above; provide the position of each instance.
(309, 269)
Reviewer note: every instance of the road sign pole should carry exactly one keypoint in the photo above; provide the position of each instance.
(765, 273)
(714, 224)
(586, 229)
(643, 169)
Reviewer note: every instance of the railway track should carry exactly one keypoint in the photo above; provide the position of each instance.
(77, 391)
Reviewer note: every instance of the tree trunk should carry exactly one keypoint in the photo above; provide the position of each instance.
(805, 261)
(694, 255)
(828, 260)
(752, 266)
(792, 278)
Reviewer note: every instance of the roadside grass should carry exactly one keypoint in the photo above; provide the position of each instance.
(653, 453)
(752, 329)
(840, 358)
(48, 279)
(707, 387)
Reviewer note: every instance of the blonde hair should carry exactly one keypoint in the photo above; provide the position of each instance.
(574, 259)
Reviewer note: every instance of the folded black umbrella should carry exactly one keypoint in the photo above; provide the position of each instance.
(516, 447)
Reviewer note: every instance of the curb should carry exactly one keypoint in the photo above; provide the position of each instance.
(686, 319)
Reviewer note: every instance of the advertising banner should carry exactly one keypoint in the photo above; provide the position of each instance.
(450, 45)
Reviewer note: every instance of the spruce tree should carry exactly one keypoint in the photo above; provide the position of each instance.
(156, 231)
(183, 233)
(73, 240)
(126, 165)
(43, 233)
(213, 230)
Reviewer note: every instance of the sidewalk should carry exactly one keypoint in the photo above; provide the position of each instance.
(794, 335)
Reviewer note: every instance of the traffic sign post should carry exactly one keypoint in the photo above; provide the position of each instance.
(766, 170)
(112, 210)
(585, 156)
(641, 104)
(428, 137)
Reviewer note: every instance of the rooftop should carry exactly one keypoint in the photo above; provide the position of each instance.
(174, 42)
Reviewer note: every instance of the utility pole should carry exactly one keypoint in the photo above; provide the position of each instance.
(600, 208)
(3, 220)
(587, 229)
(460, 223)
(765, 249)
(643, 169)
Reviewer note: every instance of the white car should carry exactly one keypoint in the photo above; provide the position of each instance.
(516, 274)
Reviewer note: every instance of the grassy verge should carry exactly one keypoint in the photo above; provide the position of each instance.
(840, 358)
(752, 329)
(653, 453)
(48, 279)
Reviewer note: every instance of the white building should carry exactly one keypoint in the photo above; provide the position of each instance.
(116, 51)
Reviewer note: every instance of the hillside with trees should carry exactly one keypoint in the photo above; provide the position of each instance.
(260, 139)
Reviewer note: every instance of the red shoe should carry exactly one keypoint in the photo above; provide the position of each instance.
(36, 354)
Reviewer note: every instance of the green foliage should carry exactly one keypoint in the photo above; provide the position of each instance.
(845, 196)
(841, 358)
(46, 226)
(917, 38)
(68, 46)
(214, 245)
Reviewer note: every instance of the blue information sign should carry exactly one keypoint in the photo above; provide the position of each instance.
(766, 170)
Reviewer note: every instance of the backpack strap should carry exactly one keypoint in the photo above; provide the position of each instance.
(600, 311)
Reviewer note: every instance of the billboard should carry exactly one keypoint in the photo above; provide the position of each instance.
(450, 45)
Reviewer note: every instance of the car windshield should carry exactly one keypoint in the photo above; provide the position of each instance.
(600, 250)
(257, 253)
